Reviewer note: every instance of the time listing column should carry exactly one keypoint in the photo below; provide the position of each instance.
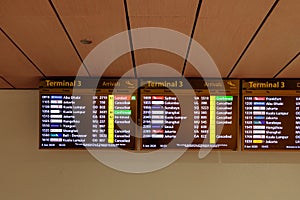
(146, 119)
(248, 123)
(45, 120)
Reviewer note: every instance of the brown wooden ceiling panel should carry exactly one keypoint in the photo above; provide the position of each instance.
(225, 27)
(15, 68)
(4, 84)
(120, 67)
(171, 14)
(154, 57)
(96, 21)
(276, 44)
(34, 27)
(292, 70)
(190, 71)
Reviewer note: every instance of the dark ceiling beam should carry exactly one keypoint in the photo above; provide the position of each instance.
(130, 37)
(253, 37)
(23, 53)
(5, 80)
(68, 35)
(285, 66)
(192, 36)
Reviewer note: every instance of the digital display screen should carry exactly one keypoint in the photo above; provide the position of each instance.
(271, 114)
(92, 115)
(206, 109)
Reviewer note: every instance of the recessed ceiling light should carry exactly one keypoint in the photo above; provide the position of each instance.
(85, 41)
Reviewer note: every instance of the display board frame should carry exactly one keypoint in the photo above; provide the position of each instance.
(277, 88)
(88, 86)
(200, 86)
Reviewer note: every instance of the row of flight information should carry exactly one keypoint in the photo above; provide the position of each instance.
(172, 113)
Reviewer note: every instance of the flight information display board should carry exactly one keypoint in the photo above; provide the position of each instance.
(95, 115)
(271, 114)
(212, 121)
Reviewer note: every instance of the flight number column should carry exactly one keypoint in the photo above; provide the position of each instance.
(99, 121)
(201, 116)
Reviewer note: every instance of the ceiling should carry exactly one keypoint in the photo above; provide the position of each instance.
(245, 39)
